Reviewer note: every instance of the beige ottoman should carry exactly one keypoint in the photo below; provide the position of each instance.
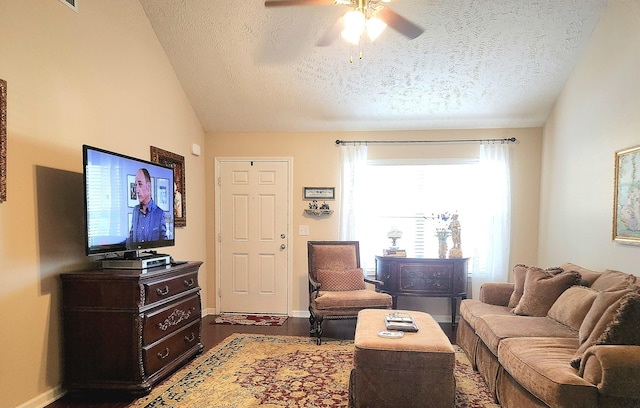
(413, 371)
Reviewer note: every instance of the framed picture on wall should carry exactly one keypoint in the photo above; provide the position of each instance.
(176, 162)
(319, 193)
(626, 199)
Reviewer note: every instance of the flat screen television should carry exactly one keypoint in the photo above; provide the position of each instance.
(128, 203)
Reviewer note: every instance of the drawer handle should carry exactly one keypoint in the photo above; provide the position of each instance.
(190, 338)
(163, 292)
(189, 282)
(164, 355)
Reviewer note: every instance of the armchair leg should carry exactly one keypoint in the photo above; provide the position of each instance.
(312, 323)
(318, 330)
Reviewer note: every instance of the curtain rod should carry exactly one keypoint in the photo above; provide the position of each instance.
(355, 142)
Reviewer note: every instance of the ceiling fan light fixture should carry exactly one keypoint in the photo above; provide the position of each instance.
(375, 27)
(354, 24)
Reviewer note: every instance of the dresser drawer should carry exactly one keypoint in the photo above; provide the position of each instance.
(428, 279)
(160, 322)
(170, 348)
(163, 289)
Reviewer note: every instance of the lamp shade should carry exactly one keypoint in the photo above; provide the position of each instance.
(354, 25)
(375, 27)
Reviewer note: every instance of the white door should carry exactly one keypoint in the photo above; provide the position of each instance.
(253, 236)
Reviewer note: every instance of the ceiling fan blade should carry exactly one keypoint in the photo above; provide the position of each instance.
(399, 23)
(286, 3)
(332, 33)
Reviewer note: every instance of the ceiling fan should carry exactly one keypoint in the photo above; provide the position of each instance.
(366, 15)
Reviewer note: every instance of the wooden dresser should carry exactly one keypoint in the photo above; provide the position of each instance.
(426, 277)
(127, 329)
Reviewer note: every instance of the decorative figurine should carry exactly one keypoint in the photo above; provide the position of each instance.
(454, 227)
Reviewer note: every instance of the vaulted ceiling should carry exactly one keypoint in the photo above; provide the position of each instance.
(478, 64)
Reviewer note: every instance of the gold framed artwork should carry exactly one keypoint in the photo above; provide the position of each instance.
(176, 162)
(626, 199)
(3, 140)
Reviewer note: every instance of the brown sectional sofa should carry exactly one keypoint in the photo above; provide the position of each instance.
(560, 337)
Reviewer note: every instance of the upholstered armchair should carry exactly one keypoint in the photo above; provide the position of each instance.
(337, 289)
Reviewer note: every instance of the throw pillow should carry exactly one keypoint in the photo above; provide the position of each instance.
(587, 276)
(349, 279)
(623, 329)
(519, 275)
(618, 325)
(541, 289)
(572, 306)
(600, 305)
(613, 281)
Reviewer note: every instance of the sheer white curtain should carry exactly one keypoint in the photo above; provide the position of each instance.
(354, 164)
(492, 261)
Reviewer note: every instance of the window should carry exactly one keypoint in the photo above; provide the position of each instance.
(408, 195)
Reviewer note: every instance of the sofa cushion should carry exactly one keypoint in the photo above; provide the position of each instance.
(572, 306)
(492, 329)
(357, 299)
(539, 364)
(471, 310)
(587, 276)
(348, 279)
(606, 307)
(519, 275)
(611, 281)
(541, 289)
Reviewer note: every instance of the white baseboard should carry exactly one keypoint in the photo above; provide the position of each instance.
(44, 399)
(305, 315)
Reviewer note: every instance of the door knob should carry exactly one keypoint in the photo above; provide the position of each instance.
(283, 246)
(283, 236)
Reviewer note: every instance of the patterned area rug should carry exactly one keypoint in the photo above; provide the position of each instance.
(282, 371)
(251, 320)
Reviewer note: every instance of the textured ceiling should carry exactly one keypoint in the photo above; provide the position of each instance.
(478, 64)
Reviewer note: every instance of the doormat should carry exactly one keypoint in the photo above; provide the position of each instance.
(250, 320)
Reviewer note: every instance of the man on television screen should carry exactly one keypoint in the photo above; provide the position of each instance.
(148, 219)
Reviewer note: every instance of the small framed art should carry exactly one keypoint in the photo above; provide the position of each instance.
(176, 162)
(626, 199)
(319, 193)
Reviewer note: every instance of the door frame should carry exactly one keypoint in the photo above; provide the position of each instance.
(217, 217)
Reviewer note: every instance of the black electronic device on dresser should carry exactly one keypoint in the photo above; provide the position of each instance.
(126, 329)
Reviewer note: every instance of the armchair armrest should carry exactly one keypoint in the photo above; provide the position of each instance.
(375, 282)
(615, 370)
(314, 286)
(496, 293)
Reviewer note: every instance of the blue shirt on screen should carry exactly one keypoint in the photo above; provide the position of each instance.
(149, 226)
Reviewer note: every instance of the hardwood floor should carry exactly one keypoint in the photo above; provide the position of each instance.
(213, 334)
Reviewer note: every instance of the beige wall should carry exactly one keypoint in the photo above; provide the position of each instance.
(596, 115)
(316, 162)
(98, 77)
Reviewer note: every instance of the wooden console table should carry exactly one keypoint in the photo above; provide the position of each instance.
(425, 277)
(128, 329)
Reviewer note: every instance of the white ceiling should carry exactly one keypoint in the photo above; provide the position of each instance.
(478, 64)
